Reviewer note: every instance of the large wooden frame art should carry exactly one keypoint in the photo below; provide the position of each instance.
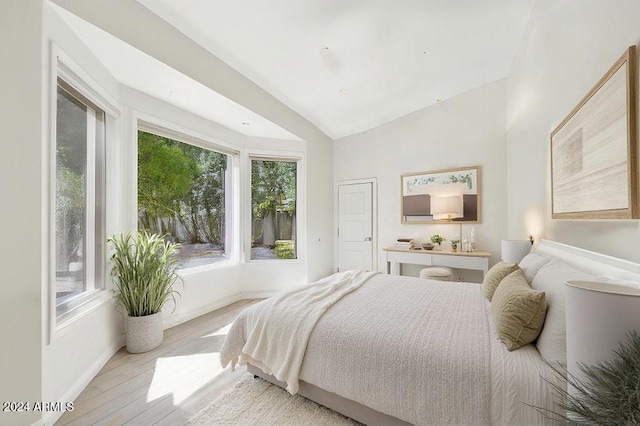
(594, 151)
(417, 190)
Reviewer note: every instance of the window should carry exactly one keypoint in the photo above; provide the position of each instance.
(79, 196)
(181, 194)
(273, 209)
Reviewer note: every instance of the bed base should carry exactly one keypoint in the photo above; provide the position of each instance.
(346, 407)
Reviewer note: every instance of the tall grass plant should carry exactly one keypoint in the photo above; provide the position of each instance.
(143, 271)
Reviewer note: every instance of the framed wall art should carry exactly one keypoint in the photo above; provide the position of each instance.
(594, 164)
(441, 196)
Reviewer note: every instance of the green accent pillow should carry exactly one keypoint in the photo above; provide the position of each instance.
(495, 275)
(518, 311)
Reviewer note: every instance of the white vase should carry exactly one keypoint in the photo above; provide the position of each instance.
(144, 333)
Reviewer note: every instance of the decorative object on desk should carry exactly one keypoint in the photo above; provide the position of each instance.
(428, 246)
(437, 240)
(594, 171)
(454, 245)
(513, 251)
(143, 271)
(405, 243)
(420, 190)
(472, 239)
(606, 395)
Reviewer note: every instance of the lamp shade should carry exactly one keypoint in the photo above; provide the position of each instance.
(450, 207)
(514, 250)
(599, 316)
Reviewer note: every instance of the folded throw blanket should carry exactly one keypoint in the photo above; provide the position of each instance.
(277, 341)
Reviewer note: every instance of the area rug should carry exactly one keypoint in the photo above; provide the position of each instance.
(258, 402)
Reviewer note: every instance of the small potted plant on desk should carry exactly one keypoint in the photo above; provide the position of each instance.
(144, 271)
(454, 245)
(437, 240)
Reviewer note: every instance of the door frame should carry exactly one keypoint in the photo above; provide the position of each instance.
(374, 218)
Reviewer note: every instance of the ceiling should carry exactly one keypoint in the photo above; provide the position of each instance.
(345, 65)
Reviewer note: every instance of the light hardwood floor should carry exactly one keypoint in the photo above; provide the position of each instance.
(165, 386)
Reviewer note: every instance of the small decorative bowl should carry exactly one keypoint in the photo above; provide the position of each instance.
(428, 246)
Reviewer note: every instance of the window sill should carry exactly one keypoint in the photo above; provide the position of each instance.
(89, 303)
(225, 264)
(277, 261)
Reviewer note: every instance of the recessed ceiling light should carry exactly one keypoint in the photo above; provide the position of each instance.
(344, 91)
(438, 100)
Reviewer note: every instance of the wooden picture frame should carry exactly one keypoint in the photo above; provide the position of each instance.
(417, 190)
(594, 151)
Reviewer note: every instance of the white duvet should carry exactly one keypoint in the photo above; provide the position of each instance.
(276, 340)
(422, 351)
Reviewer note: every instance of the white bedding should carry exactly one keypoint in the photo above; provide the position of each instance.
(419, 350)
(276, 340)
(516, 378)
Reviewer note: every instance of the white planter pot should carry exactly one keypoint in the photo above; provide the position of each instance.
(144, 333)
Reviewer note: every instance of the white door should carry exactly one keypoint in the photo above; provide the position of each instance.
(355, 227)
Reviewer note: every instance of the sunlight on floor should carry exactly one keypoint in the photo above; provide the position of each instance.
(183, 375)
(221, 332)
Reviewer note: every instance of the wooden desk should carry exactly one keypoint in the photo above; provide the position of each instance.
(477, 260)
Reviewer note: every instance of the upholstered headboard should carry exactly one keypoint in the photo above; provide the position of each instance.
(593, 263)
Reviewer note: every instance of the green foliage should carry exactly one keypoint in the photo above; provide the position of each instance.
(285, 249)
(273, 189)
(180, 189)
(437, 239)
(70, 215)
(608, 395)
(165, 175)
(143, 271)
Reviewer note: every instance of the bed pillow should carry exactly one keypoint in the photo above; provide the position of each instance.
(531, 264)
(496, 274)
(552, 343)
(518, 311)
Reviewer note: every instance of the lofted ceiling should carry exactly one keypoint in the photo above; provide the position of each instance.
(344, 65)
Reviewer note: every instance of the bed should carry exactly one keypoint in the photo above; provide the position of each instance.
(401, 350)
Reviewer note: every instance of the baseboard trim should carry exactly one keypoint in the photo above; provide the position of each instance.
(173, 321)
(51, 417)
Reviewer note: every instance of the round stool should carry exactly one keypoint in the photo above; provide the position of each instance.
(439, 273)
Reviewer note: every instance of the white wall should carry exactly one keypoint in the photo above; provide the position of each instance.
(80, 349)
(319, 209)
(467, 130)
(568, 47)
(20, 215)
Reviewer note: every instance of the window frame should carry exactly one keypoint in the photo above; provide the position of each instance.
(163, 128)
(94, 263)
(289, 156)
(63, 71)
